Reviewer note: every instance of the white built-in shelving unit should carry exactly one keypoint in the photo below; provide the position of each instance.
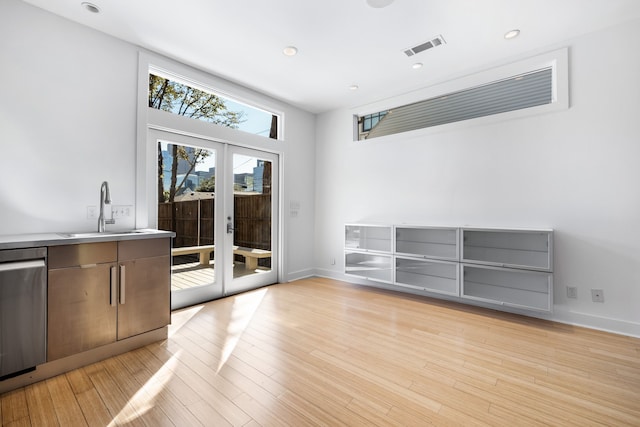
(508, 267)
(368, 252)
(426, 258)
(503, 267)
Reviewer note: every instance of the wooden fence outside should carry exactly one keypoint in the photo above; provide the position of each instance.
(193, 221)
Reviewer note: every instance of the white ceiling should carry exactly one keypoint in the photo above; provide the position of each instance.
(343, 42)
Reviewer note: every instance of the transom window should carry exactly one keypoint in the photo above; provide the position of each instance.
(514, 92)
(185, 99)
(369, 121)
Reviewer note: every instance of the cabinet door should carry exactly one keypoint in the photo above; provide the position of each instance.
(81, 309)
(428, 275)
(429, 242)
(368, 237)
(531, 290)
(529, 249)
(369, 266)
(144, 298)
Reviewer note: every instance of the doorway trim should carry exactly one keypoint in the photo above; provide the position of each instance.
(150, 118)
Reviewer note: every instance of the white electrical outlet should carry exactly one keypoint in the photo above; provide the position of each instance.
(572, 292)
(91, 212)
(597, 295)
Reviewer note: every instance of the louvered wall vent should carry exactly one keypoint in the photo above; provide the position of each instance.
(435, 42)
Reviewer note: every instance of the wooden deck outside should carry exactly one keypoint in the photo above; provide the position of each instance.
(192, 274)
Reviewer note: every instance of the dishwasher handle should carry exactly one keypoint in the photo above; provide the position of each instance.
(22, 265)
(27, 254)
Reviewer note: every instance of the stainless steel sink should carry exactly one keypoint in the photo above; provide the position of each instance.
(89, 234)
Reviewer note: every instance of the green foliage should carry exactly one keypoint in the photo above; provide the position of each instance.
(208, 185)
(197, 155)
(187, 101)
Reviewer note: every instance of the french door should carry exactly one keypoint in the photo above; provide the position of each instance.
(221, 201)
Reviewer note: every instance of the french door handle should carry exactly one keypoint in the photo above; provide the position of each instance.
(230, 228)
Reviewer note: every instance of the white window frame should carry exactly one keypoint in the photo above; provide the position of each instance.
(557, 60)
(156, 119)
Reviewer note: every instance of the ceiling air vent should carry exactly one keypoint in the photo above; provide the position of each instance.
(435, 42)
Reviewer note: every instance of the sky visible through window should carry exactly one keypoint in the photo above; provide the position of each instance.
(185, 99)
(257, 122)
(241, 164)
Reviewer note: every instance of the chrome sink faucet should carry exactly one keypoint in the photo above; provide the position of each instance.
(105, 199)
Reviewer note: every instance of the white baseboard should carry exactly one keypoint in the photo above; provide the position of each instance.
(560, 315)
(300, 274)
(590, 321)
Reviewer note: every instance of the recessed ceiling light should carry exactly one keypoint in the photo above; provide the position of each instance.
(511, 34)
(354, 87)
(90, 7)
(290, 50)
(417, 65)
(379, 4)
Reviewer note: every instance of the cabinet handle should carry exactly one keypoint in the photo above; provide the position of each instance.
(122, 284)
(114, 287)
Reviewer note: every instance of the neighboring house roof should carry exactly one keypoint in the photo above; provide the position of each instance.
(194, 195)
(202, 195)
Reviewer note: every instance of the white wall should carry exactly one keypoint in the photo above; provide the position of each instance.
(67, 116)
(575, 171)
(68, 121)
(68, 110)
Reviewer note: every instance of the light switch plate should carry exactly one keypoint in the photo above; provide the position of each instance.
(121, 211)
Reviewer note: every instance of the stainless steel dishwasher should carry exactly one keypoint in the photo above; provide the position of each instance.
(23, 310)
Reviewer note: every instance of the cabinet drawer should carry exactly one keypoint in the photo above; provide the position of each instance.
(368, 237)
(429, 242)
(529, 249)
(143, 248)
(369, 266)
(429, 275)
(509, 287)
(82, 254)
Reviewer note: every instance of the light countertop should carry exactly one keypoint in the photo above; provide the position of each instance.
(19, 241)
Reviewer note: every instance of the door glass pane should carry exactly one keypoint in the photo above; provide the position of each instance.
(186, 202)
(252, 199)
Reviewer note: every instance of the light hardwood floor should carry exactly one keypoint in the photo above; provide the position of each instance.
(323, 352)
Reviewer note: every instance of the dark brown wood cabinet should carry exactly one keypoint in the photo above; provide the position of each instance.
(102, 292)
(145, 285)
